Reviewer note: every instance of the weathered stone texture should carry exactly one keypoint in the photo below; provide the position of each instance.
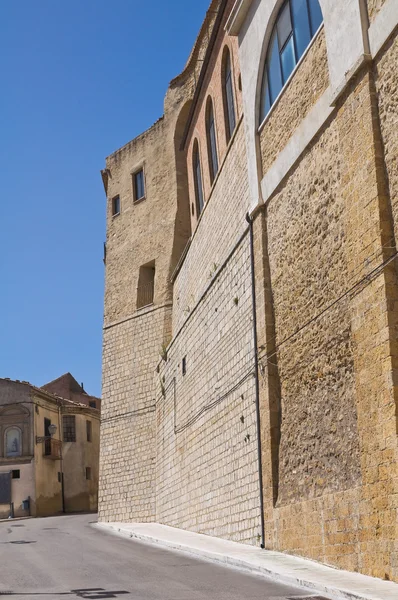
(127, 462)
(374, 7)
(138, 236)
(222, 222)
(295, 102)
(319, 446)
(374, 324)
(207, 470)
(387, 93)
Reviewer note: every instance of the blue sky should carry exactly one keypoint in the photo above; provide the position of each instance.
(79, 78)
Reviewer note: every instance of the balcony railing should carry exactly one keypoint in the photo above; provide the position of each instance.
(51, 448)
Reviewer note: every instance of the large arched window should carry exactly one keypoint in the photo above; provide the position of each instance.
(296, 25)
(211, 140)
(228, 94)
(197, 176)
(13, 442)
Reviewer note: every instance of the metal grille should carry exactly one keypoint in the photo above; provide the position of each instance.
(5, 488)
(69, 428)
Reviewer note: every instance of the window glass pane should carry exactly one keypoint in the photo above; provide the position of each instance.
(288, 59)
(139, 185)
(315, 15)
(284, 25)
(230, 98)
(265, 102)
(198, 182)
(301, 26)
(274, 70)
(213, 146)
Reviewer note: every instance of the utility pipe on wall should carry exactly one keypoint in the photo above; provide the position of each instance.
(249, 219)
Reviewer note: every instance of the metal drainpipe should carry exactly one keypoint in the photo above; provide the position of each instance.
(61, 466)
(249, 219)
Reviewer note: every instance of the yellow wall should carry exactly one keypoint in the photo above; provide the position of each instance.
(81, 494)
(21, 489)
(48, 488)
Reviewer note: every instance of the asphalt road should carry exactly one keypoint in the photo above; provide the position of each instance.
(66, 557)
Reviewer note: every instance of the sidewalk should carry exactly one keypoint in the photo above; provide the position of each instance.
(317, 578)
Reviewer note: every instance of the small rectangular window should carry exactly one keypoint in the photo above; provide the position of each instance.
(301, 22)
(16, 474)
(69, 428)
(93, 404)
(146, 285)
(116, 206)
(288, 59)
(88, 473)
(184, 365)
(89, 431)
(139, 185)
(59, 477)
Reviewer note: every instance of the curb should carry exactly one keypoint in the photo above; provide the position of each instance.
(335, 592)
(15, 519)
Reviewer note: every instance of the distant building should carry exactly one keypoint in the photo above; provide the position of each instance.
(49, 451)
(67, 387)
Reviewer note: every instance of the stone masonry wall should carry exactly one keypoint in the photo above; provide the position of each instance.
(387, 93)
(207, 468)
(319, 438)
(374, 7)
(221, 224)
(296, 100)
(127, 477)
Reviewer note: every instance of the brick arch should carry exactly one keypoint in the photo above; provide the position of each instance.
(182, 224)
(227, 52)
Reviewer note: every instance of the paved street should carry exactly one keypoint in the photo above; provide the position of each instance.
(65, 556)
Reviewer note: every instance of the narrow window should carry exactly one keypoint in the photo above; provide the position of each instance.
(69, 428)
(47, 435)
(146, 285)
(88, 473)
(16, 474)
(229, 105)
(59, 477)
(296, 24)
(89, 431)
(197, 175)
(184, 365)
(93, 404)
(116, 206)
(211, 140)
(139, 185)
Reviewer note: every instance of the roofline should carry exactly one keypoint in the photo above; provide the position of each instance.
(49, 395)
(203, 71)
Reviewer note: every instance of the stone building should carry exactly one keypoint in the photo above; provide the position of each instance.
(49, 452)
(251, 287)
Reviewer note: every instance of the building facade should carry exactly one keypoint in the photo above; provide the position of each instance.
(251, 282)
(49, 453)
